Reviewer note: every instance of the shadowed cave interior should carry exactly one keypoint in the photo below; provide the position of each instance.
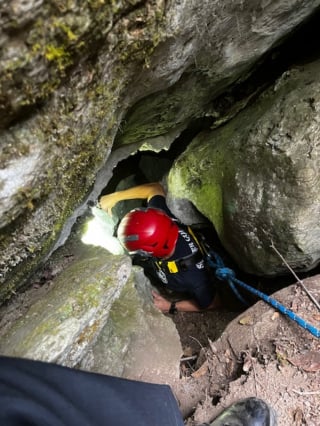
(195, 329)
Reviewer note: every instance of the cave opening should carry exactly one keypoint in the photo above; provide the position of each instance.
(148, 166)
(195, 329)
(298, 47)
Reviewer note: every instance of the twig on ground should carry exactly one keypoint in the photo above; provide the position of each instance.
(233, 351)
(306, 393)
(214, 350)
(252, 360)
(196, 340)
(189, 358)
(296, 277)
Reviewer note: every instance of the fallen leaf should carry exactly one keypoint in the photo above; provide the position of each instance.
(246, 320)
(309, 361)
(281, 357)
(227, 353)
(201, 371)
(247, 365)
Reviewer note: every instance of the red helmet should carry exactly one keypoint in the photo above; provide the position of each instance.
(148, 230)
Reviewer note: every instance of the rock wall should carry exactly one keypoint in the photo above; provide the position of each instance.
(73, 75)
(63, 70)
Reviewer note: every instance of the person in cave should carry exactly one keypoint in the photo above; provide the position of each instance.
(168, 251)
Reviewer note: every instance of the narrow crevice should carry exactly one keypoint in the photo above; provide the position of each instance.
(196, 328)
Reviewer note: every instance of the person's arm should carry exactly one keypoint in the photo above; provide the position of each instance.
(183, 305)
(145, 191)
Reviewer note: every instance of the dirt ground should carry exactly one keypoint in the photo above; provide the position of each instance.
(231, 353)
(260, 353)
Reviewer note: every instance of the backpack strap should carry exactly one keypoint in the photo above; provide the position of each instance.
(200, 246)
(187, 262)
(179, 265)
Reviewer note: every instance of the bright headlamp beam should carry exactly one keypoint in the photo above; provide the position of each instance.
(99, 232)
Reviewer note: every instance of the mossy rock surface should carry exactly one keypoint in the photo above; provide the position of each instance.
(257, 178)
(63, 325)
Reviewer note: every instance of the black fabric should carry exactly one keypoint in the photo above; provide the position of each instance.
(42, 394)
(196, 281)
(247, 412)
(183, 264)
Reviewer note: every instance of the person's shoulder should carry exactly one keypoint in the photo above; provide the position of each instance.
(157, 201)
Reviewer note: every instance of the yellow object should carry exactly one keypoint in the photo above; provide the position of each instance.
(172, 266)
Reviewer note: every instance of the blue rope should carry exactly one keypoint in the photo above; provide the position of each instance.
(227, 274)
(219, 265)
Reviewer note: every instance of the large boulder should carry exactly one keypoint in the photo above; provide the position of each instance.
(98, 315)
(257, 178)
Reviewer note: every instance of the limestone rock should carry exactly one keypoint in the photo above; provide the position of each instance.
(257, 178)
(65, 323)
(94, 317)
(62, 71)
(137, 342)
